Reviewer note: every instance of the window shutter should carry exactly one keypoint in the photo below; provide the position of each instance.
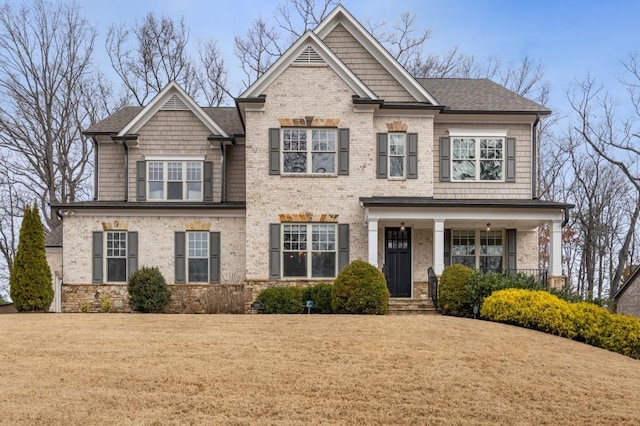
(141, 181)
(180, 276)
(343, 245)
(511, 249)
(274, 151)
(214, 257)
(207, 181)
(445, 157)
(412, 159)
(382, 155)
(274, 250)
(447, 247)
(97, 263)
(132, 253)
(510, 175)
(343, 151)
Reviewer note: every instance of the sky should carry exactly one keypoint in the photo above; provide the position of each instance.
(569, 38)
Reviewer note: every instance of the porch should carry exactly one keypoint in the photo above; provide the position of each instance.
(407, 236)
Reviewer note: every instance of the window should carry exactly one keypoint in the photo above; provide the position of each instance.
(305, 257)
(477, 158)
(174, 180)
(300, 156)
(198, 257)
(116, 259)
(396, 155)
(464, 249)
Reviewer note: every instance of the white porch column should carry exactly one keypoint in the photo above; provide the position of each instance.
(438, 246)
(373, 242)
(555, 249)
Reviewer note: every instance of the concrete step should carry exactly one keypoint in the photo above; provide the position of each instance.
(411, 307)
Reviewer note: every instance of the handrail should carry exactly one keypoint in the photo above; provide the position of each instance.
(433, 286)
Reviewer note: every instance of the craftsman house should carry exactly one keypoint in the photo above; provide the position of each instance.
(335, 153)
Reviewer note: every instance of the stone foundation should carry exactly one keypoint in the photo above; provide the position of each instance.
(556, 282)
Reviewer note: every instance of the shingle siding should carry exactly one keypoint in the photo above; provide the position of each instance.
(110, 171)
(236, 173)
(365, 66)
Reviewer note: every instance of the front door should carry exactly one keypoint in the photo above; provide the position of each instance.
(398, 261)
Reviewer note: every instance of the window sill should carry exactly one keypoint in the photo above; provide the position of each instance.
(305, 279)
(308, 175)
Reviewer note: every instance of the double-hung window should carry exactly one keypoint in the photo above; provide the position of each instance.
(477, 158)
(174, 180)
(309, 250)
(477, 249)
(116, 258)
(309, 151)
(198, 257)
(397, 157)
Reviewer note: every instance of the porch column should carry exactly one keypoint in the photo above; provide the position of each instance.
(555, 249)
(438, 246)
(373, 242)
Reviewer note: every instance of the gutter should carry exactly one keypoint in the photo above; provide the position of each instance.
(534, 157)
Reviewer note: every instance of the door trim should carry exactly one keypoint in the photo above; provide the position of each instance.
(411, 256)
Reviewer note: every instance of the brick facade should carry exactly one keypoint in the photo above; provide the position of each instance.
(628, 301)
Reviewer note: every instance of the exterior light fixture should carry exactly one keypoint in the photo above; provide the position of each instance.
(488, 226)
(402, 226)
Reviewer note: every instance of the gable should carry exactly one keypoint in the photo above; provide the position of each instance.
(365, 66)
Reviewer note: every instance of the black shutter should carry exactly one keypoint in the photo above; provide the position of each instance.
(97, 262)
(445, 157)
(343, 152)
(141, 181)
(447, 247)
(412, 159)
(274, 250)
(511, 250)
(343, 245)
(207, 181)
(510, 174)
(214, 257)
(132, 253)
(382, 155)
(180, 276)
(274, 151)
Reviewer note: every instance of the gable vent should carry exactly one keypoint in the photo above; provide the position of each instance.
(174, 103)
(309, 56)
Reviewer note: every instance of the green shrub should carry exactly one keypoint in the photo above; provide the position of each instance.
(481, 285)
(148, 291)
(454, 298)
(281, 300)
(30, 283)
(360, 288)
(321, 296)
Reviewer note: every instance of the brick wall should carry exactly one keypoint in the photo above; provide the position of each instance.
(629, 301)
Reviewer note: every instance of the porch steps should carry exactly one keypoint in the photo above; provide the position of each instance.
(411, 307)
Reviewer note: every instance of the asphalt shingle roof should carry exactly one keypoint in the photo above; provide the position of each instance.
(463, 94)
(226, 117)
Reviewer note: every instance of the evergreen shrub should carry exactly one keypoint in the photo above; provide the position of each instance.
(148, 291)
(281, 300)
(360, 288)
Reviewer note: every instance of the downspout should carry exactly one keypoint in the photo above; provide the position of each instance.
(223, 174)
(95, 168)
(126, 170)
(534, 157)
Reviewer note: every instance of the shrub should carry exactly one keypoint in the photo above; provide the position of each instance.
(223, 299)
(481, 286)
(360, 288)
(454, 298)
(623, 335)
(591, 323)
(105, 303)
(148, 291)
(321, 296)
(31, 288)
(281, 300)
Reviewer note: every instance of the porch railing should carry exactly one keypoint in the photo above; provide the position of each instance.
(433, 286)
(540, 275)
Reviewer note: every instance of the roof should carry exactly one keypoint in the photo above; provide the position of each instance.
(431, 202)
(226, 117)
(478, 95)
(627, 283)
(54, 237)
(96, 205)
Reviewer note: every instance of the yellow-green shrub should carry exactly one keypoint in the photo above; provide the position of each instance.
(623, 335)
(591, 323)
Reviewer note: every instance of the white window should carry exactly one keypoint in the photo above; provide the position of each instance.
(116, 258)
(477, 158)
(198, 257)
(300, 156)
(485, 256)
(174, 180)
(305, 257)
(397, 155)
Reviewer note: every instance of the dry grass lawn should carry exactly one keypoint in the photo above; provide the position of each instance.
(277, 370)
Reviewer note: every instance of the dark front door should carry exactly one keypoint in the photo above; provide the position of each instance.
(398, 261)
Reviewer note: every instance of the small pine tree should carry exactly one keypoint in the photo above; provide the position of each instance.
(30, 282)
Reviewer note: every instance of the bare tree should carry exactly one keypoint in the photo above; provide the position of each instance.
(212, 78)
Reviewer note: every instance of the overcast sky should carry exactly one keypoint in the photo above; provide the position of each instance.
(569, 38)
